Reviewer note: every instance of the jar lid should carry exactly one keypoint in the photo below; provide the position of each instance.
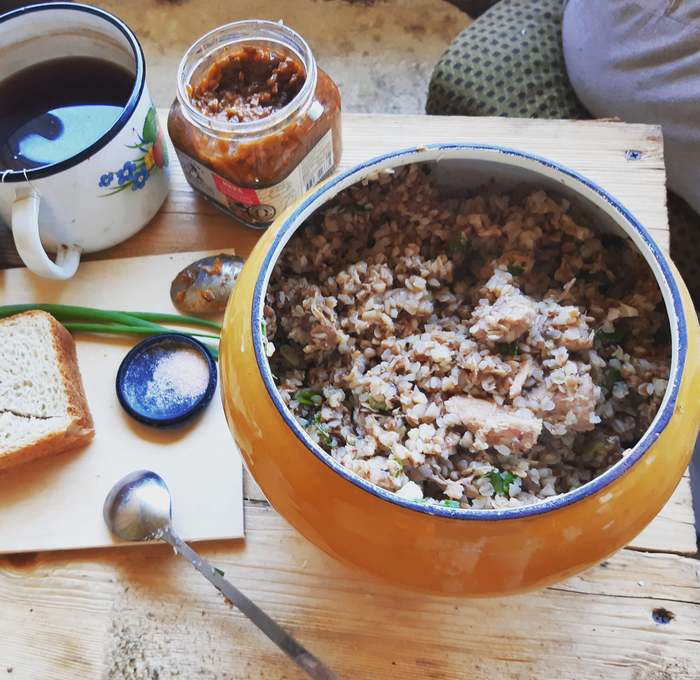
(166, 379)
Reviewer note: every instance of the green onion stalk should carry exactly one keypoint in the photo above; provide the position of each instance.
(116, 322)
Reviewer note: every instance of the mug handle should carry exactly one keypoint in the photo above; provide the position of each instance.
(25, 229)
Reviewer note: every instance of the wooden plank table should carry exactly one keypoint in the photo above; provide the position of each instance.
(139, 614)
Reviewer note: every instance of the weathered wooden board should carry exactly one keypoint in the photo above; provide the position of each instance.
(56, 503)
(672, 531)
(141, 614)
(599, 150)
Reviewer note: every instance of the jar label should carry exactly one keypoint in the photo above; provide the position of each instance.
(257, 208)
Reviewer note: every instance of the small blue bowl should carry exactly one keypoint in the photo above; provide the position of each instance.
(160, 381)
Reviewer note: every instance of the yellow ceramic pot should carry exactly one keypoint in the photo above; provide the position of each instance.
(433, 548)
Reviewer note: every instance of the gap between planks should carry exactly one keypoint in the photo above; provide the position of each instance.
(139, 613)
(154, 622)
(596, 149)
(671, 531)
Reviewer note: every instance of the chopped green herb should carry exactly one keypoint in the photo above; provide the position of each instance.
(398, 470)
(663, 334)
(322, 432)
(263, 328)
(354, 207)
(450, 503)
(308, 397)
(501, 481)
(601, 278)
(218, 571)
(378, 405)
(459, 243)
(292, 356)
(515, 269)
(593, 451)
(611, 376)
(324, 436)
(611, 242)
(615, 337)
(507, 349)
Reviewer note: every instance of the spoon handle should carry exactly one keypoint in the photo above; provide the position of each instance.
(296, 652)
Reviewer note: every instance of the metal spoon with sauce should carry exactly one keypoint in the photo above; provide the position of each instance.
(139, 508)
(205, 285)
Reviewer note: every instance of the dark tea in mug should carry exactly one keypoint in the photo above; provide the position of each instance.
(55, 109)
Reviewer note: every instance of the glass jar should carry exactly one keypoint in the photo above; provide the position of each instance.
(254, 152)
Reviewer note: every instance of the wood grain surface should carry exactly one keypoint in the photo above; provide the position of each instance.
(141, 614)
(598, 150)
(39, 506)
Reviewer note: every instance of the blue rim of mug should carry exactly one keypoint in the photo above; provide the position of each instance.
(129, 108)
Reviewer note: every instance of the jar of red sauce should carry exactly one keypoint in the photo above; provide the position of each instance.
(255, 122)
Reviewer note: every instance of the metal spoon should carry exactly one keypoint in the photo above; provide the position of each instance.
(139, 508)
(204, 286)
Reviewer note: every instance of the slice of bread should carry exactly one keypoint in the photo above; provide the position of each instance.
(43, 409)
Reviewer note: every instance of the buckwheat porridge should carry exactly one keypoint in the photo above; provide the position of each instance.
(483, 352)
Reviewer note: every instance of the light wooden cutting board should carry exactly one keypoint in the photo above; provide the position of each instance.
(56, 503)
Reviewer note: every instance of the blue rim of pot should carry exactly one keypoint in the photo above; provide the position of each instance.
(317, 197)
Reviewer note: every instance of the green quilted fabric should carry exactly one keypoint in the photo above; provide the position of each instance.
(508, 62)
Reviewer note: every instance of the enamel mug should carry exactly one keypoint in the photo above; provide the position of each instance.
(110, 190)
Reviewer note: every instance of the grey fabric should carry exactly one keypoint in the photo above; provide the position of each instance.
(640, 60)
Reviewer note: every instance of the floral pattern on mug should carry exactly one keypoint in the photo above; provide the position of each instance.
(153, 157)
